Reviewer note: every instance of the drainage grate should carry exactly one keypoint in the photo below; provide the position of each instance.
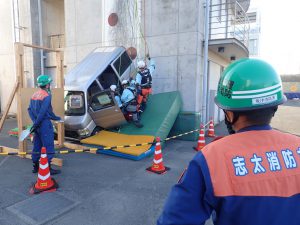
(42, 208)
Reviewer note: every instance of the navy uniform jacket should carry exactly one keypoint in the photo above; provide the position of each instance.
(248, 178)
(40, 108)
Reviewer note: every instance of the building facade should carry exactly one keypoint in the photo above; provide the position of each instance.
(187, 39)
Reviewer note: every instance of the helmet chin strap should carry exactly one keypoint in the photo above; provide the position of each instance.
(230, 124)
(47, 89)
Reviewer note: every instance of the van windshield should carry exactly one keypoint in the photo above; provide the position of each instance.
(74, 103)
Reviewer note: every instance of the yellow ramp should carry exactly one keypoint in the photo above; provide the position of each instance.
(110, 139)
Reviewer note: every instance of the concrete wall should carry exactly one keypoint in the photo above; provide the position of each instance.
(7, 72)
(53, 31)
(7, 57)
(83, 29)
(174, 31)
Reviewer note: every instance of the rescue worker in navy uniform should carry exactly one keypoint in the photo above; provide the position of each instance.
(144, 81)
(41, 114)
(251, 177)
(129, 102)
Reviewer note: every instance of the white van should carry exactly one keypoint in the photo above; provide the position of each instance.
(89, 103)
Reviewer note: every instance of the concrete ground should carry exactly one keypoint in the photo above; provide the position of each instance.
(94, 189)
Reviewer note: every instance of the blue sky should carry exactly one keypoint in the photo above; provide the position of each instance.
(280, 34)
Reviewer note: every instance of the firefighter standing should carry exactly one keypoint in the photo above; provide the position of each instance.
(250, 176)
(41, 114)
(144, 81)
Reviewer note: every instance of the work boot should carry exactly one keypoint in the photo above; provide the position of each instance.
(35, 167)
(53, 171)
(138, 124)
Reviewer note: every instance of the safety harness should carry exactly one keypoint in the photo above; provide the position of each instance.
(146, 81)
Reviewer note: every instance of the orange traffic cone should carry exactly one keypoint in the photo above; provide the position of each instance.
(211, 129)
(158, 165)
(44, 182)
(201, 139)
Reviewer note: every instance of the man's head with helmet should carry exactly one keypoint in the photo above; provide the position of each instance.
(249, 92)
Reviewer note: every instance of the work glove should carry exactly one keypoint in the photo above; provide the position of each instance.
(33, 129)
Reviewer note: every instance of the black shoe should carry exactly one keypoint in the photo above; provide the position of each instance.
(35, 167)
(138, 124)
(54, 171)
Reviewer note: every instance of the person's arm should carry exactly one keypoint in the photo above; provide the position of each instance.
(124, 96)
(52, 114)
(31, 115)
(118, 100)
(186, 202)
(138, 79)
(151, 66)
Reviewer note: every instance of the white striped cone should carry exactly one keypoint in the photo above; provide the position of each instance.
(201, 139)
(158, 165)
(211, 129)
(44, 181)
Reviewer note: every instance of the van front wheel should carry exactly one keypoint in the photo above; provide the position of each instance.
(96, 130)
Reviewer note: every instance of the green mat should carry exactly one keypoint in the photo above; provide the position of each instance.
(185, 122)
(159, 116)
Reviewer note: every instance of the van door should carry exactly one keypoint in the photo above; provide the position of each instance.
(123, 66)
(105, 111)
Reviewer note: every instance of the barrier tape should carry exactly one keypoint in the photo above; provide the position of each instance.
(100, 148)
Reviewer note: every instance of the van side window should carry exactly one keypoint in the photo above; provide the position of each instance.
(93, 89)
(122, 63)
(108, 77)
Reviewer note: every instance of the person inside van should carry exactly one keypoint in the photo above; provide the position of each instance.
(144, 81)
(113, 89)
(129, 101)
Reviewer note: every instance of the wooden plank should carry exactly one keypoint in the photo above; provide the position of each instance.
(60, 133)
(40, 47)
(57, 162)
(8, 149)
(10, 100)
(59, 73)
(73, 146)
(54, 161)
(19, 53)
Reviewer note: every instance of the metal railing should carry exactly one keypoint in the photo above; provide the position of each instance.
(229, 20)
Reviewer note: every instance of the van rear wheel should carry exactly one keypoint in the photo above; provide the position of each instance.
(96, 130)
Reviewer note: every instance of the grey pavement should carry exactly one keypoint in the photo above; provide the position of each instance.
(94, 189)
(97, 189)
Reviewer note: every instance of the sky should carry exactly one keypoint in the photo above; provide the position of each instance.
(280, 34)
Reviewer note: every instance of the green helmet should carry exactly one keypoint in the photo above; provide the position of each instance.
(43, 80)
(249, 84)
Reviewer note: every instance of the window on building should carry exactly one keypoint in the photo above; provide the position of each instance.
(253, 47)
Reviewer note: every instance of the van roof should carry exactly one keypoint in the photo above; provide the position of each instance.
(87, 70)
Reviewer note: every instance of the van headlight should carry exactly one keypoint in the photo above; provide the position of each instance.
(84, 132)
